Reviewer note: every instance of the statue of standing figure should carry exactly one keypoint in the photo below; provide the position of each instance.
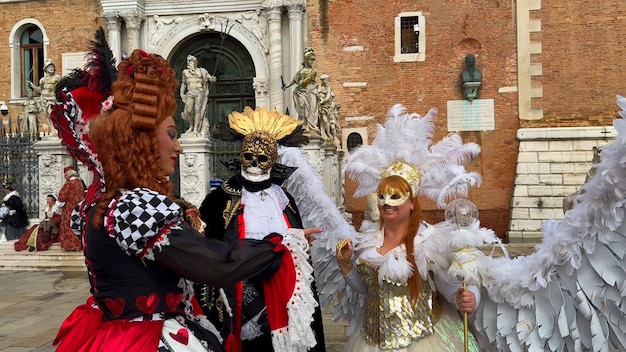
(328, 112)
(46, 86)
(471, 78)
(305, 94)
(30, 114)
(194, 92)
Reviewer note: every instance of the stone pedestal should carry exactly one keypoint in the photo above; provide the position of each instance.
(195, 168)
(332, 173)
(53, 158)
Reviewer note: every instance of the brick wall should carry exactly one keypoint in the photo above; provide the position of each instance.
(69, 25)
(453, 30)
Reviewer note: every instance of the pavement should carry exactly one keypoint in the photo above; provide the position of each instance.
(33, 304)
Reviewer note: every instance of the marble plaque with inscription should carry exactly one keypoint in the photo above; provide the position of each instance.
(72, 61)
(476, 115)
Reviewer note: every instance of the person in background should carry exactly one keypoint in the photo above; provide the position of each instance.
(16, 220)
(71, 193)
(40, 237)
(142, 256)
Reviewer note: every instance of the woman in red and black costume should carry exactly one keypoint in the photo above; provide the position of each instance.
(142, 257)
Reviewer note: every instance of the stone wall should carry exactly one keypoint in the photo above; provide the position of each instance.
(552, 164)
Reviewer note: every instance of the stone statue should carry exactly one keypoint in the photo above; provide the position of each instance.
(328, 111)
(194, 92)
(305, 94)
(45, 88)
(30, 114)
(471, 78)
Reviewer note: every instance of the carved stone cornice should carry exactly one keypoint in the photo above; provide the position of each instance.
(295, 3)
(268, 4)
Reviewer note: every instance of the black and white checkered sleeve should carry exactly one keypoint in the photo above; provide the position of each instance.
(77, 219)
(140, 217)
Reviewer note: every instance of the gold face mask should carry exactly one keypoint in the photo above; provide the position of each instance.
(258, 154)
(392, 198)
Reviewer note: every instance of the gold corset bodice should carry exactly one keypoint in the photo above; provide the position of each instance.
(390, 321)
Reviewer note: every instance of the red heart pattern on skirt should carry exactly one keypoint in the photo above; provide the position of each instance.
(182, 336)
(115, 306)
(148, 304)
(173, 300)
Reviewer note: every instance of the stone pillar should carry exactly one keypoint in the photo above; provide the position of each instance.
(275, 58)
(53, 158)
(114, 28)
(195, 168)
(296, 13)
(133, 22)
(331, 180)
(261, 92)
(296, 38)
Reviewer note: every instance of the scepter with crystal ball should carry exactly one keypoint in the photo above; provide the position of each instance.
(462, 217)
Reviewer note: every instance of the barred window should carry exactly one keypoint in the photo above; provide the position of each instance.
(410, 37)
(409, 34)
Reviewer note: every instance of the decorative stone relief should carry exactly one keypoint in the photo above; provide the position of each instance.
(207, 20)
(261, 86)
(49, 170)
(192, 184)
(161, 25)
(256, 22)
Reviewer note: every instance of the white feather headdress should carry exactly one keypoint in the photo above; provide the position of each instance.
(407, 138)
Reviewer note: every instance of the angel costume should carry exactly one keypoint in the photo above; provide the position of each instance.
(375, 296)
(569, 295)
(390, 321)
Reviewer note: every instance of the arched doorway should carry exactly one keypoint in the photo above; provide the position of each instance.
(228, 60)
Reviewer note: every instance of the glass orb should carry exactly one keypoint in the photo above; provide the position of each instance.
(461, 213)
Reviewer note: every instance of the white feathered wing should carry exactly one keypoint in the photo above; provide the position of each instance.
(570, 294)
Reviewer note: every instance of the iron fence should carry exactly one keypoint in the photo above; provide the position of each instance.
(19, 163)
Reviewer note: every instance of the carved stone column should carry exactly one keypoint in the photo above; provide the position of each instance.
(195, 169)
(133, 22)
(114, 28)
(296, 38)
(275, 58)
(261, 90)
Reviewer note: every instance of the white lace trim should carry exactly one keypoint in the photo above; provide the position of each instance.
(298, 335)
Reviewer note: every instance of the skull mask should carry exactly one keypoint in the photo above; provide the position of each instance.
(259, 152)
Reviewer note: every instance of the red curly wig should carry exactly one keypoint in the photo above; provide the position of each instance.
(125, 138)
(397, 183)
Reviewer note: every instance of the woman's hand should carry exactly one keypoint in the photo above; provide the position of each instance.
(310, 232)
(344, 255)
(465, 300)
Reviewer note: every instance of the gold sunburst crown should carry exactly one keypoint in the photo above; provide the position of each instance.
(276, 124)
